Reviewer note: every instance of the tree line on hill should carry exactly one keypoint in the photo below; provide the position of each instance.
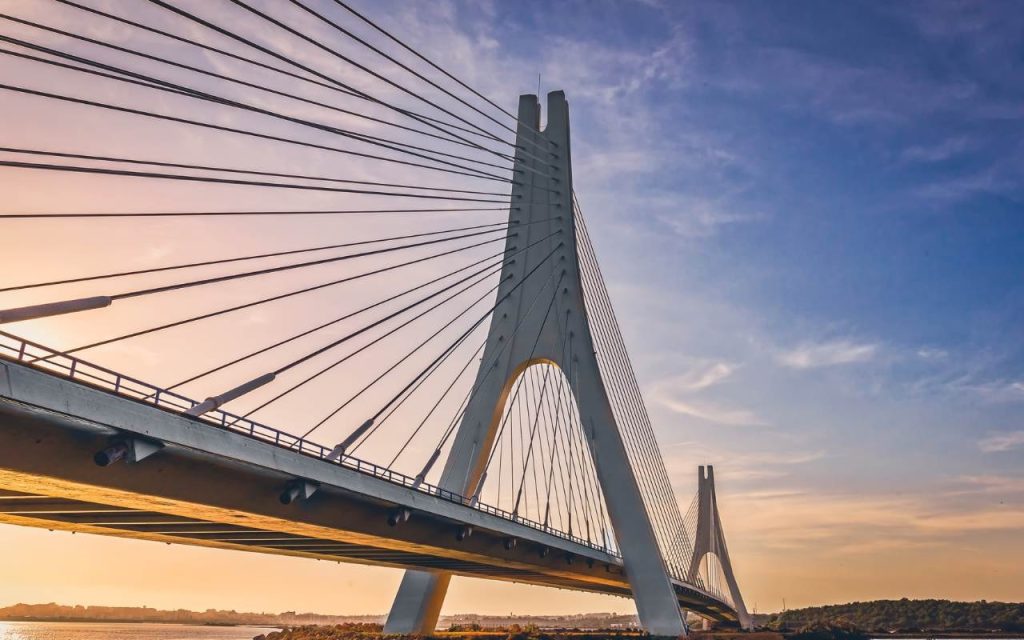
(59, 612)
(906, 616)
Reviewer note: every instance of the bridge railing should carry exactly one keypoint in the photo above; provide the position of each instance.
(33, 354)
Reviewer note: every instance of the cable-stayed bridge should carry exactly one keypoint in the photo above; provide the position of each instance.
(448, 384)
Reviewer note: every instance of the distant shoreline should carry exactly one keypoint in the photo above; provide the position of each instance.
(261, 625)
(706, 635)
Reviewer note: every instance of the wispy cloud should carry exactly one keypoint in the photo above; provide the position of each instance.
(997, 391)
(704, 219)
(701, 377)
(931, 353)
(988, 484)
(998, 442)
(678, 394)
(835, 521)
(711, 412)
(938, 152)
(996, 179)
(827, 354)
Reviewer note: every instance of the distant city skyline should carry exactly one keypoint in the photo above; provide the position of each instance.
(817, 206)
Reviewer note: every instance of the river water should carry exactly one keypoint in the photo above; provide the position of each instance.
(123, 631)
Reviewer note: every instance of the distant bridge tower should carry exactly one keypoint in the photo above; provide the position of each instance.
(710, 539)
(543, 206)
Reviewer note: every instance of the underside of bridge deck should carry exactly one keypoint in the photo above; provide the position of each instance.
(187, 495)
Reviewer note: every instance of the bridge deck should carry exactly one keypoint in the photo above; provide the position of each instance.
(218, 487)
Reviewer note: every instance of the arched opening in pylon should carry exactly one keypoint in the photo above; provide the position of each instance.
(712, 576)
(540, 466)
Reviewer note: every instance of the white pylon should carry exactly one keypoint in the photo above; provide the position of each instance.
(522, 334)
(709, 538)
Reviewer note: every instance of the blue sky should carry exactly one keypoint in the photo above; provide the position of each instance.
(810, 218)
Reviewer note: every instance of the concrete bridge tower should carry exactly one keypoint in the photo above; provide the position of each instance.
(542, 203)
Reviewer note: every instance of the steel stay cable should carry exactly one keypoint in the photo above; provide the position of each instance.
(408, 395)
(228, 181)
(540, 470)
(589, 493)
(532, 352)
(482, 274)
(538, 466)
(613, 345)
(489, 312)
(362, 254)
(524, 400)
(574, 471)
(539, 462)
(363, 330)
(591, 466)
(333, 85)
(572, 461)
(369, 422)
(650, 463)
(517, 408)
(574, 417)
(573, 474)
(577, 435)
(513, 467)
(656, 514)
(366, 44)
(430, 122)
(564, 479)
(576, 459)
(663, 505)
(586, 462)
(196, 43)
(415, 349)
(521, 383)
(166, 85)
(501, 460)
(350, 61)
(460, 412)
(433, 408)
(238, 81)
(172, 214)
(202, 167)
(207, 263)
(274, 298)
(244, 132)
(536, 421)
(319, 351)
(131, 77)
(524, 451)
(97, 302)
(516, 395)
(285, 72)
(643, 470)
(431, 63)
(690, 522)
(586, 486)
(562, 476)
(553, 431)
(537, 407)
(336, 320)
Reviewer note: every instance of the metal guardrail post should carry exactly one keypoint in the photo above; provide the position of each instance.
(159, 397)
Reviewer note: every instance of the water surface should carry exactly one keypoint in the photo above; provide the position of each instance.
(123, 631)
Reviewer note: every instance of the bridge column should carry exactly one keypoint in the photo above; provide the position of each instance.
(709, 538)
(522, 334)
